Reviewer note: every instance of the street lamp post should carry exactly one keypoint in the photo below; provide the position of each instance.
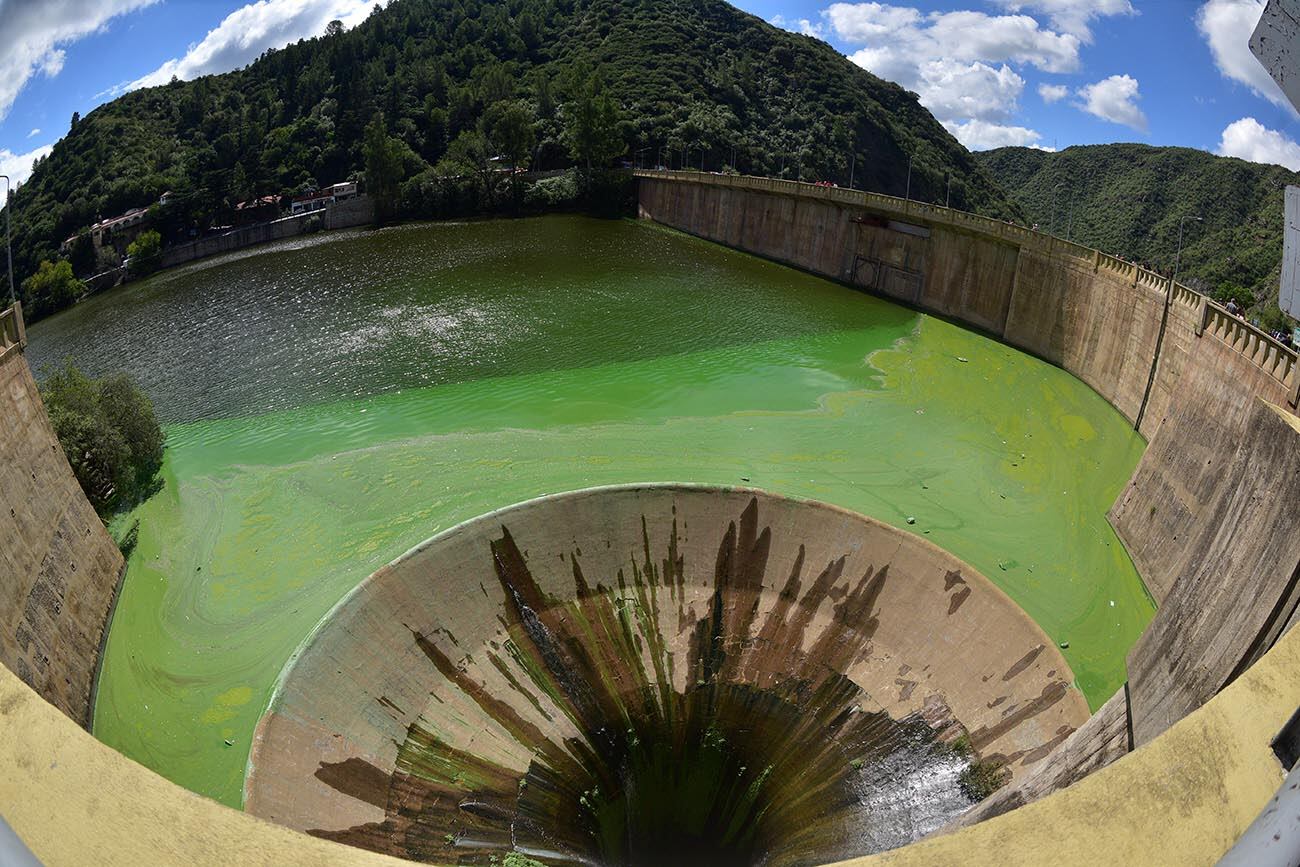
(9, 253)
(1055, 198)
(947, 199)
(853, 165)
(1164, 320)
(909, 178)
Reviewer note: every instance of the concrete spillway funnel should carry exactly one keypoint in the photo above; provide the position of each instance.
(659, 674)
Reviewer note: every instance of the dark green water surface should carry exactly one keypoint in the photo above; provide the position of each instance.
(332, 401)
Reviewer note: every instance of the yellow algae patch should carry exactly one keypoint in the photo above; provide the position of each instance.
(1076, 427)
(225, 706)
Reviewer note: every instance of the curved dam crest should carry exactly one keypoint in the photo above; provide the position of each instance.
(268, 518)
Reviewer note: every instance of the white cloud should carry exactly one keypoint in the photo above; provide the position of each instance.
(1053, 92)
(33, 31)
(951, 89)
(799, 25)
(959, 63)
(243, 35)
(1251, 140)
(980, 135)
(34, 133)
(901, 36)
(19, 166)
(1226, 26)
(866, 22)
(1114, 99)
(1072, 16)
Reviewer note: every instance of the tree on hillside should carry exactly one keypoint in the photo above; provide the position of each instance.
(468, 156)
(144, 254)
(545, 94)
(436, 125)
(706, 128)
(1132, 199)
(52, 287)
(496, 86)
(593, 126)
(509, 129)
(384, 167)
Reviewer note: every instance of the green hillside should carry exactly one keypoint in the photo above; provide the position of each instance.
(1128, 199)
(455, 81)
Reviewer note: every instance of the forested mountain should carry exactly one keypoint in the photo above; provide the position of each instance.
(1128, 199)
(426, 88)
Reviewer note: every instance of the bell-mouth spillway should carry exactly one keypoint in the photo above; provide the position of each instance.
(649, 674)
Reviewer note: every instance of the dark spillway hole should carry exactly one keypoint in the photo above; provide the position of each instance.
(796, 773)
(737, 741)
(743, 780)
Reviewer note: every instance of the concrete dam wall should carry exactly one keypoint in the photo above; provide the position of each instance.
(1209, 517)
(59, 569)
(1094, 315)
(359, 211)
(469, 698)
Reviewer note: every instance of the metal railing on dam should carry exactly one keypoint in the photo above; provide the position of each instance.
(1261, 349)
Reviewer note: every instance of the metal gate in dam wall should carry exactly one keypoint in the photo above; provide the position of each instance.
(1177, 762)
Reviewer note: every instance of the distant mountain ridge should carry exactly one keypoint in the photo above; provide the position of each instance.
(698, 76)
(1128, 199)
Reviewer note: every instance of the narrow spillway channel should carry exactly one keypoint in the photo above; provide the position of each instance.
(333, 401)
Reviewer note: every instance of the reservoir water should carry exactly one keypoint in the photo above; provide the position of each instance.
(332, 401)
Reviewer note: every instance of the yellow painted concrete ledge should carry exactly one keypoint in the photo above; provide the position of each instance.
(1182, 799)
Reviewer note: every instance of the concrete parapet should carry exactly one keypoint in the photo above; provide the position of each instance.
(13, 334)
(1266, 353)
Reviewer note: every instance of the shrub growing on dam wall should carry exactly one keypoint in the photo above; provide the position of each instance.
(109, 433)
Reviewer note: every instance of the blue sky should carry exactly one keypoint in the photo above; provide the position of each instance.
(1044, 73)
